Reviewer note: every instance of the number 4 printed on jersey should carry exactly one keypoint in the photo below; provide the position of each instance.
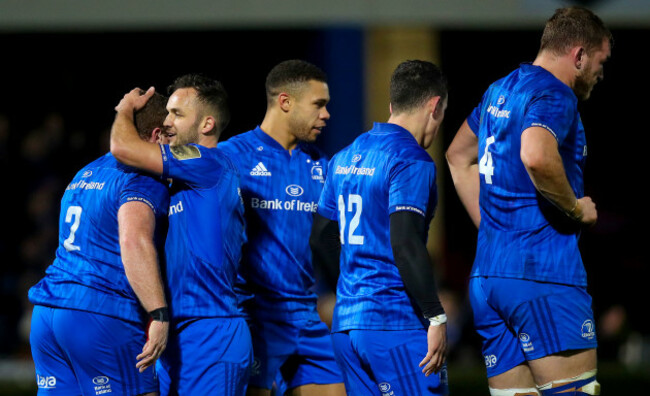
(73, 212)
(355, 204)
(485, 166)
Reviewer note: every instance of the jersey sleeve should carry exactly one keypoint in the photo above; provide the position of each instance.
(190, 164)
(412, 187)
(327, 201)
(146, 189)
(553, 110)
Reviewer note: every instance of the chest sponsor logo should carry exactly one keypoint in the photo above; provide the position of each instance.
(353, 170)
(385, 389)
(588, 329)
(46, 381)
(294, 190)
(278, 204)
(102, 385)
(260, 170)
(176, 208)
(495, 112)
(82, 185)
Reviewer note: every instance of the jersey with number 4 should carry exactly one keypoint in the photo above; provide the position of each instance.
(521, 234)
(87, 273)
(382, 172)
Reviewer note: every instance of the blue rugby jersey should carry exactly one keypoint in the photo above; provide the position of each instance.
(281, 193)
(383, 171)
(518, 237)
(206, 232)
(87, 273)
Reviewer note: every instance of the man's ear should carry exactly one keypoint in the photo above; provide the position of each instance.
(285, 101)
(209, 126)
(578, 56)
(435, 106)
(155, 136)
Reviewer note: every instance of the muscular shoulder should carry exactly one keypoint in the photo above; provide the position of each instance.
(241, 143)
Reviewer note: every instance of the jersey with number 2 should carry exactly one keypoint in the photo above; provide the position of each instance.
(87, 273)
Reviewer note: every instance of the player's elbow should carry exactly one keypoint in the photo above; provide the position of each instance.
(533, 159)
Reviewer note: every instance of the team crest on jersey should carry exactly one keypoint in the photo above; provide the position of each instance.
(356, 158)
(588, 329)
(317, 173)
(87, 173)
(501, 100)
(185, 152)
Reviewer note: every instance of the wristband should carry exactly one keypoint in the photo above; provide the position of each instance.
(160, 314)
(438, 320)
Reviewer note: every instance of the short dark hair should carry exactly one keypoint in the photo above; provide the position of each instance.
(413, 83)
(151, 116)
(210, 92)
(574, 26)
(289, 75)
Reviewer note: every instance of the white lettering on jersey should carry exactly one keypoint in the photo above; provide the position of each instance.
(173, 209)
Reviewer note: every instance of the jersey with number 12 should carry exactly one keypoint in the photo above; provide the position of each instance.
(382, 172)
(521, 234)
(87, 273)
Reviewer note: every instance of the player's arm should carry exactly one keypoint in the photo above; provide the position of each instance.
(137, 224)
(325, 243)
(462, 157)
(126, 145)
(540, 156)
(407, 239)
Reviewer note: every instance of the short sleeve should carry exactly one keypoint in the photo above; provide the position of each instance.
(412, 187)
(191, 164)
(552, 110)
(146, 189)
(327, 202)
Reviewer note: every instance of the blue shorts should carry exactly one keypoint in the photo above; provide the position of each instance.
(83, 353)
(385, 363)
(206, 356)
(301, 351)
(522, 320)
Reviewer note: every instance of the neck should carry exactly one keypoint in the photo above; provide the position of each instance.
(559, 66)
(208, 141)
(412, 123)
(279, 130)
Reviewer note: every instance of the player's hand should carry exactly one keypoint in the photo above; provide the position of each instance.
(437, 349)
(589, 213)
(134, 100)
(156, 344)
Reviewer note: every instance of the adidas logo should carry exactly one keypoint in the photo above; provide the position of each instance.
(260, 170)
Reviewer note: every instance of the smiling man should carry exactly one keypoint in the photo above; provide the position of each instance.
(282, 178)
(209, 341)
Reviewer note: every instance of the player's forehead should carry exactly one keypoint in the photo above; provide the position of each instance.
(314, 90)
(182, 98)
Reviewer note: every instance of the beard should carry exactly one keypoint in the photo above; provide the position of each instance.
(301, 130)
(189, 136)
(584, 83)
